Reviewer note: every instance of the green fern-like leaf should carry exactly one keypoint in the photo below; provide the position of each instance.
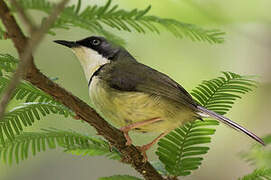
(258, 156)
(94, 150)
(119, 177)
(7, 63)
(23, 116)
(258, 174)
(25, 91)
(19, 148)
(220, 93)
(93, 18)
(98, 147)
(181, 150)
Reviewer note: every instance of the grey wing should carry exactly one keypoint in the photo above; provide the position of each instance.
(134, 76)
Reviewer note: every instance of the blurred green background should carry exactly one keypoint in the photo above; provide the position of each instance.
(246, 50)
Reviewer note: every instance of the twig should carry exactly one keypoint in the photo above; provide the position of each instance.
(32, 44)
(25, 18)
(113, 135)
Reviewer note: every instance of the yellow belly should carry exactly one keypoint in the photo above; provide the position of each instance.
(124, 108)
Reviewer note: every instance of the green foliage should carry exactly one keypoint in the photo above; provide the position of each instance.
(37, 103)
(27, 92)
(93, 18)
(14, 143)
(258, 174)
(220, 93)
(7, 63)
(259, 156)
(19, 148)
(181, 150)
(24, 91)
(98, 147)
(119, 177)
(25, 115)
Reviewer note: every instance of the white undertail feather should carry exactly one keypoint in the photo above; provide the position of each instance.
(205, 112)
(90, 60)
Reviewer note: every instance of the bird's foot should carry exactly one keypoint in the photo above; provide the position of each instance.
(126, 135)
(129, 127)
(143, 149)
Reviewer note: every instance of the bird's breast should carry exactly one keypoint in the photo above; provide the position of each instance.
(101, 97)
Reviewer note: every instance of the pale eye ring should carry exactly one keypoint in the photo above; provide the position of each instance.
(96, 42)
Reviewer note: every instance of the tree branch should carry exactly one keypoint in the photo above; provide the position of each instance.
(130, 154)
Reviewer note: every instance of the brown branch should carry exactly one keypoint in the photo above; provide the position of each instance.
(130, 154)
(26, 59)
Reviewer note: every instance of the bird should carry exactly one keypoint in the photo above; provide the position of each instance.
(134, 96)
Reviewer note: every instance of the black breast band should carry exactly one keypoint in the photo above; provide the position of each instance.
(95, 73)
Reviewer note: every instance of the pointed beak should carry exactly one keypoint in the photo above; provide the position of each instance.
(69, 44)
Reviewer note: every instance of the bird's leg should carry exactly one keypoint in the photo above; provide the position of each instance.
(126, 129)
(146, 147)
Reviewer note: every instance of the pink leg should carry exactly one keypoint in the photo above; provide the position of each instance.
(126, 129)
(146, 147)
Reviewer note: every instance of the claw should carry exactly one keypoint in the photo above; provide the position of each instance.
(127, 137)
(129, 127)
(143, 149)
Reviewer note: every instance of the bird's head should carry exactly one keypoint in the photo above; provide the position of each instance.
(94, 45)
(92, 52)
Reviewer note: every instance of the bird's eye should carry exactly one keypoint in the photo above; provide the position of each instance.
(96, 42)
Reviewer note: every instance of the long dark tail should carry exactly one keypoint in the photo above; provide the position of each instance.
(229, 123)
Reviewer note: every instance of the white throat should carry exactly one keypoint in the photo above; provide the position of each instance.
(90, 60)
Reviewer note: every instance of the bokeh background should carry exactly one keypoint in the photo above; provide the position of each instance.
(246, 50)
